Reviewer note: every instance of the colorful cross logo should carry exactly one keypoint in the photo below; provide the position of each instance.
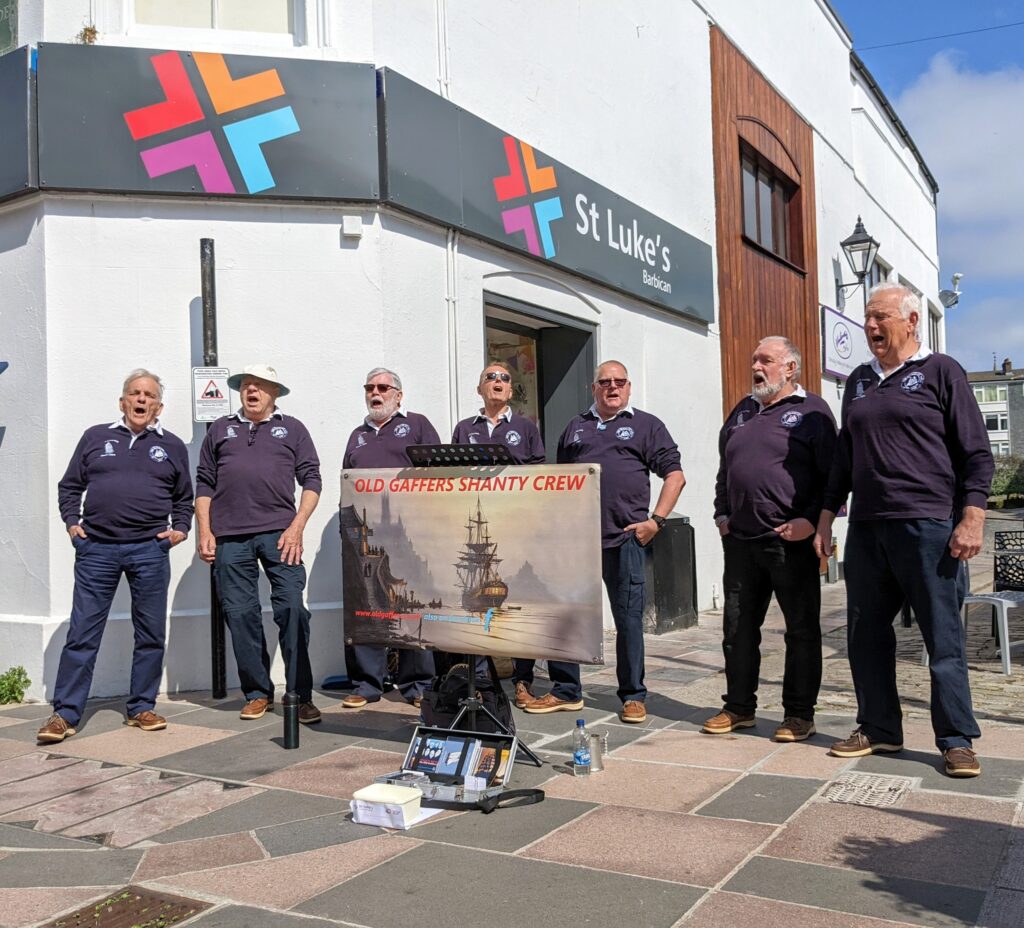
(514, 185)
(181, 107)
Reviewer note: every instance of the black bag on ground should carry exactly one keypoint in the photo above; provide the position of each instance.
(450, 686)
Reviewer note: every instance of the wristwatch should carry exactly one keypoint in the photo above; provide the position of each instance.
(658, 520)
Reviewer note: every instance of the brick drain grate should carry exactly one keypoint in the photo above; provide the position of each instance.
(864, 789)
(132, 907)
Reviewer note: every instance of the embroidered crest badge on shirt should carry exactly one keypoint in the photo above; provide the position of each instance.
(912, 382)
(156, 453)
(279, 431)
(360, 441)
(474, 438)
(231, 432)
(402, 429)
(513, 438)
(108, 448)
(624, 434)
(577, 437)
(791, 419)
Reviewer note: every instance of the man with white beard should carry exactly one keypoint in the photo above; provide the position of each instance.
(775, 453)
(381, 442)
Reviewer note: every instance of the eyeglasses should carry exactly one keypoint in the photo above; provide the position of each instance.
(606, 382)
(378, 387)
(498, 375)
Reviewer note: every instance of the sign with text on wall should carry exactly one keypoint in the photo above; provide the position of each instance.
(486, 560)
(843, 343)
(211, 397)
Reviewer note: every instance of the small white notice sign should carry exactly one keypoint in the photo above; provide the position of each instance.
(211, 397)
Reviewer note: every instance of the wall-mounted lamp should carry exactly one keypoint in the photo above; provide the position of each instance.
(860, 250)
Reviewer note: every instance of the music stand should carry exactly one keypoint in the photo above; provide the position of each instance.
(487, 455)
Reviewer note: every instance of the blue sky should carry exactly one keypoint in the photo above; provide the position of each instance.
(962, 98)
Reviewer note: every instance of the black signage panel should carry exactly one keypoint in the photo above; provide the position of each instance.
(449, 165)
(17, 161)
(149, 121)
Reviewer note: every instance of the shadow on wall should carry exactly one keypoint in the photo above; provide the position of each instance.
(324, 596)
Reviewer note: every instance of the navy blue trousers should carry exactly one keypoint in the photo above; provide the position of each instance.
(98, 570)
(622, 569)
(236, 568)
(367, 665)
(886, 561)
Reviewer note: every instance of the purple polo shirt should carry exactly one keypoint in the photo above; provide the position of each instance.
(517, 433)
(912, 445)
(628, 448)
(774, 463)
(249, 470)
(136, 484)
(385, 446)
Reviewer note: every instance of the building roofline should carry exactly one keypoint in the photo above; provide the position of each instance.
(834, 13)
(901, 129)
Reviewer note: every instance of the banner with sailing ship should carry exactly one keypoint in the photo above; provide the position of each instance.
(503, 561)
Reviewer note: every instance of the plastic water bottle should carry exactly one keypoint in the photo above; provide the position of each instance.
(580, 750)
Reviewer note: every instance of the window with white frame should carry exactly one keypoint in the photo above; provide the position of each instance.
(999, 448)
(878, 273)
(267, 16)
(990, 393)
(934, 328)
(997, 421)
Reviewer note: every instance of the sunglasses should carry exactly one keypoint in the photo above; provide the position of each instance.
(606, 382)
(498, 375)
(378, 387)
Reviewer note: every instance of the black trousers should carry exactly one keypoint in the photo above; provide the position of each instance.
(753, 571)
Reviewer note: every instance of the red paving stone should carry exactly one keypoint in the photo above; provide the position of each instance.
(34, 790)
(11, 748)
(203, 854)
(666, 845)
(735, 752)
(31, 765)
(134, 746)
(643, 786)
(924, 839)
(338, 774)
(729, 910)
(286, 881)
(23, 907)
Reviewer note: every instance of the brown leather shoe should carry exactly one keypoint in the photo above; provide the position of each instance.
(55, 729)
(354, 701)
(860, 745)
(727, 721)
(551, 703)
(309, 714)
(256, 709)
(794, 729)
(961, 762)
(146, 720)
(633, 711)
(524, 695)
(416, 702)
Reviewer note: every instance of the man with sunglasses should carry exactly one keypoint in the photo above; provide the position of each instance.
(245, 510)
(496, 423)
(380, 441)
(628, 444)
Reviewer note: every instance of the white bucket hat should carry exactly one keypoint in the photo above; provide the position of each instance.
(263, 371)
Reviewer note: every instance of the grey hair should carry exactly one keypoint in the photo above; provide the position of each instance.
(792, 352)
(910, 302)
(609, 361)
(138, 373)
(396, 381)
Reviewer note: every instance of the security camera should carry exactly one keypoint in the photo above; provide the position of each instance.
(956, 280)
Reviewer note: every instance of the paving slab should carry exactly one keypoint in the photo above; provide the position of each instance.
(240, 916)
(125, 827)
(10, 747)
(66, 811)
(338, 774)
(618, 737)
(34, 764)
(563, 723)
(762, 798)
(272, 807)
(68, 868)
(660, 787)
(999, 740)
(1004, 908)
(134, 746)
(923, 839)
(202, 854)
(13, 836)
(423, 884)
(728, 910)
(225, 717)
(999, 776)
(934, 905)
(732, 751)
(663, 845)
(285, 882)
(24, 907)
(1011, 875)
(312, 833)
(252, 754)
(804, 759)
(46, 786)
(503, 829)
